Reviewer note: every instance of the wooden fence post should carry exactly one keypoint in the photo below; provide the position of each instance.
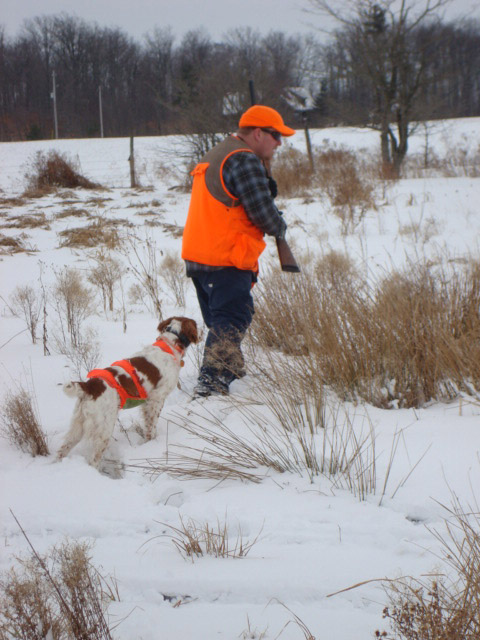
(131, 159)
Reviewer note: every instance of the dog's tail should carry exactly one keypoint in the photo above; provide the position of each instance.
(73, 390)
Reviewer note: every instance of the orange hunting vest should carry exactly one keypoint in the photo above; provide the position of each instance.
(218, 231)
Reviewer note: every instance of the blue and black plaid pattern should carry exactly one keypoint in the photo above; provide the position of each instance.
(246, 179)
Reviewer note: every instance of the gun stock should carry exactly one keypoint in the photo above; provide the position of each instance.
(287, 261)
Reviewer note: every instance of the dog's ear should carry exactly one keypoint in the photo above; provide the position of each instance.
(189, 330)
(163, 325)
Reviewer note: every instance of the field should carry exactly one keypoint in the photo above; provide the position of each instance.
(298, 535)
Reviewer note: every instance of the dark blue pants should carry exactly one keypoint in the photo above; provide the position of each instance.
(226, 304)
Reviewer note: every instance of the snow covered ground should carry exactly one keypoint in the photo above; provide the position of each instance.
(313, 538)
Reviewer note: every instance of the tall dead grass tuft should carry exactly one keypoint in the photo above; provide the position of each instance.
(273, 439)
(193, 540)
(20, 424)
(410, 338)
(348, 181)
(59, 596)
(293, 173)
(349, 188)
(53, 170)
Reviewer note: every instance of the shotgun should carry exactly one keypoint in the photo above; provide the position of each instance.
(285, 255)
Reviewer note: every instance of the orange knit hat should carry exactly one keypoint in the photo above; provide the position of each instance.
(261, 116)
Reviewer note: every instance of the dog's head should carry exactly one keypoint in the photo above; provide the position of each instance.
(184, 328)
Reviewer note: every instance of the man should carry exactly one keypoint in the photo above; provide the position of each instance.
(231, 209)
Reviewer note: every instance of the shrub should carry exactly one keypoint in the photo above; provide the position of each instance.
(346, 181)
(292, 172)
(172, 271)
(84, 355)
(26, 302)
(53, 170)
(447, 606)
(60, 596)
(105, 275)
(144, 267)
(20, 423)
(73, 303)
(347, 186)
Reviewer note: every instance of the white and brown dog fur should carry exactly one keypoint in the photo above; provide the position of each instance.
(98, 404)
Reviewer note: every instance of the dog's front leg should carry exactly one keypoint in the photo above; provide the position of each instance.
(151, 413)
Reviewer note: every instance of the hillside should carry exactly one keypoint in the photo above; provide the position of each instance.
(311, 536)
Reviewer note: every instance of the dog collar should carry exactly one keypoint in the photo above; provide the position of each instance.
(181, 336)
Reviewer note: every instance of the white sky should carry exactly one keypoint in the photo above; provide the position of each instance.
(137, 17)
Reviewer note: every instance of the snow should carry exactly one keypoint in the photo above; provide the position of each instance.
(314, 539)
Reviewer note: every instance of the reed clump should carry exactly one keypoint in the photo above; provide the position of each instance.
(403, 340)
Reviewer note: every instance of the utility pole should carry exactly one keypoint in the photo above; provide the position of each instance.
(53, 95)
(101, 110)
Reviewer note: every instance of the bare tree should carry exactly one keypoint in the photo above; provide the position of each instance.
(381, 50)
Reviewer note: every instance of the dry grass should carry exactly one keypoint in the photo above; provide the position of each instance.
(12, 202)
(101, 232)
(26, 302)
(193, 540)
(52, 171)
(84, 354)
(408, 339)
(172, 271)
(173, 230)
(72, 212)
(445, 606)
(347, 185)
(73, 302)
(98, 201)
(33, 221)
(345, 179)
(9, 245)
(106, 275)
(292, 172)
(20, 424)
(142, 256)
(462, 160)
(60, 596)
(272, 438)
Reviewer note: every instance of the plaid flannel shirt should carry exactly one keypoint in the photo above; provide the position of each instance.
(245, 177)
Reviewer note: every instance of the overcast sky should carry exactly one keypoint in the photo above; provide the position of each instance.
(137, 17)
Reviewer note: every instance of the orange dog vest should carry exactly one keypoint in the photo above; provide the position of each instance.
(128, 401)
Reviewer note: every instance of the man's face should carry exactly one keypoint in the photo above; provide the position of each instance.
(268, 142)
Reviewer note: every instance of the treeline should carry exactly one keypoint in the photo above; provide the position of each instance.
(160, 86)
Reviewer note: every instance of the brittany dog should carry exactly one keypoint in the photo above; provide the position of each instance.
(146, 378)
